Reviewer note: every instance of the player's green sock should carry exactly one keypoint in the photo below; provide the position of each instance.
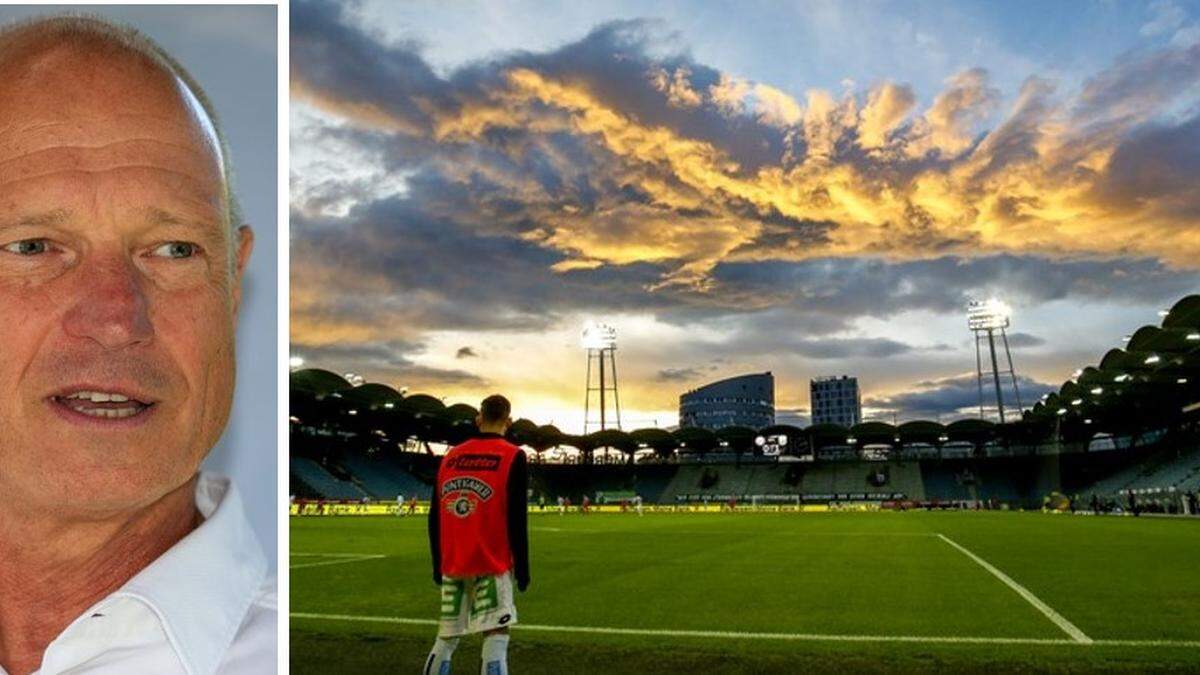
(438, 662)
(495, 655)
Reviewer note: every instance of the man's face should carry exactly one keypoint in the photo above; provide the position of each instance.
(118, 289)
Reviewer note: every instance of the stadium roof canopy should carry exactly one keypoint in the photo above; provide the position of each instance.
(317, 382)
(372, 395)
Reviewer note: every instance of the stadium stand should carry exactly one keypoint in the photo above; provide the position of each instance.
(1163, 470)
(384, 477)
(1130, 422)
(321, 482)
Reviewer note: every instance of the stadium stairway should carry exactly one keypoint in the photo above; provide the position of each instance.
(321, 481)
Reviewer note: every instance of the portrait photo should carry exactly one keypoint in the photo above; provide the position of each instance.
(138, 308)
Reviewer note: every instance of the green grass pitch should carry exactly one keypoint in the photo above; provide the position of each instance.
(772, 593)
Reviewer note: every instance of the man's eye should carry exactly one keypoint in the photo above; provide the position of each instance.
(177, 249)
(28, 247)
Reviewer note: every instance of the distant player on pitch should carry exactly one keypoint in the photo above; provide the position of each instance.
(479, 540)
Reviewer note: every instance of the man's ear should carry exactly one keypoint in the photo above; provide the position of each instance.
(478, 421)
(245, 244)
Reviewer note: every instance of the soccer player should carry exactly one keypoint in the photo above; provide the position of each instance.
(583, 505)
(479, 540)
(637, 502)
(400, 505)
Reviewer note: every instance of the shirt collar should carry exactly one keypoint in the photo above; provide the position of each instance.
(202, 586)
(487, 434)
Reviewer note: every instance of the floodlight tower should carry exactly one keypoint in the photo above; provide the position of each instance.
(600, 341)
(985, 318)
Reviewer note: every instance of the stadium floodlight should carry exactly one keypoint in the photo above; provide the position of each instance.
(1193, 336)
(1182, 380)
(988, 314)
(600, 342)
(1077, 401)
(296, 362)
(986, 318)
(598, 336)
(1152, 359)
(354, 379)
(851, 440)
(1164, 312)
(1087, 421)
(1097, 390)
(1077, 373)
(389, 406)
(1123, 377)
(352, 412)
(1062, 411)
(294, 420)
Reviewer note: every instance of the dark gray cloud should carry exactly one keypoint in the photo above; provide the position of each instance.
(1139, 84)
(797, 417)
(340, 64)
(954, 397)
(1021, 340)
(1159, 162)
(863, 348)
(465, 353)
(679, 374)
(388, 362)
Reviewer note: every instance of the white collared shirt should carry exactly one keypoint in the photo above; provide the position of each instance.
(206, 606)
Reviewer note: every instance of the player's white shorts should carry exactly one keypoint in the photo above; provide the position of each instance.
(476, 604)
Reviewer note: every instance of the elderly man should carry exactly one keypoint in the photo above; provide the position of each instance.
(121, 259)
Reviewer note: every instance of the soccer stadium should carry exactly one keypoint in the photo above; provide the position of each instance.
(1067, 540)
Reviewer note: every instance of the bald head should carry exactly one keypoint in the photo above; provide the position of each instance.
(78, 52)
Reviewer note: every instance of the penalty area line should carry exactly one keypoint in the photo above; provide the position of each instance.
(1058, 619)
(735, 635)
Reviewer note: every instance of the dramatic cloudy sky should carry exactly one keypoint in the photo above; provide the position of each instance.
(736, 187)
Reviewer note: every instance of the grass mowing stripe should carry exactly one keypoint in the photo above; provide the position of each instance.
(808, 637)
(1058, 619)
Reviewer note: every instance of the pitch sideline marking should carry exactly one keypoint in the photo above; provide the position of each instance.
(806, 637)
(332, 555)
(1058, 619)
(340, 559)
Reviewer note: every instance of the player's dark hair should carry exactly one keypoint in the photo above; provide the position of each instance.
(494, 408)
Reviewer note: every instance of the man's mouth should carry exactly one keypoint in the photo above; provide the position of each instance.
(102, 404)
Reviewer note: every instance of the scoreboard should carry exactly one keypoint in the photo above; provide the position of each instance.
(787, 448)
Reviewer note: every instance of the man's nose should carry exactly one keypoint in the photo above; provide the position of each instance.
(110, 306)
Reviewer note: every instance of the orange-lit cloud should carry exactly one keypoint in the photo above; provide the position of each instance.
(931, 185)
